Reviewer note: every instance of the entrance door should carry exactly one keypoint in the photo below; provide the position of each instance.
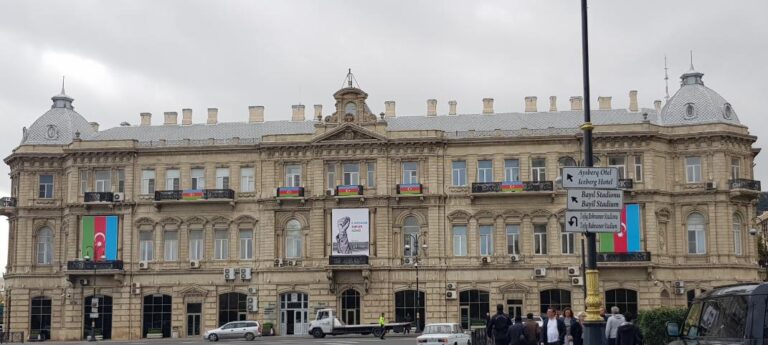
(464, 312)
(194, 313)
(350, 315)
(294, 308)
(515, 308)
(104, 320)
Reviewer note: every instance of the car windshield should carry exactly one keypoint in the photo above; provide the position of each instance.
(723, 317)
(437, 329)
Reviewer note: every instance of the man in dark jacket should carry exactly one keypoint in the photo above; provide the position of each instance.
(516, 333)
(553, 330)
(498, 326)
(628, 333)
(531, 330)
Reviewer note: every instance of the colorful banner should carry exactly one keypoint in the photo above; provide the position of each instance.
(290, 192)
(350, 190)
(628, 240)
(192, 194)
(350, 231)
(100, 237)
(512, 186)
(412, 188)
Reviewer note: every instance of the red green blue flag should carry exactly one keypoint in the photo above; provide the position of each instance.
(512, 186)
(100, 237)
(628, 240)
(410, 188)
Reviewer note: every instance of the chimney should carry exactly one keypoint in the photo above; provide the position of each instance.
(146, 119)
(170, 117)
(186, 116)
(576, 103)
(431, 107)
(633, 100)
(255, 113)
(298, 112)
(530, 104)
(487, 106)
(389, 109)
(604, 103)
(95, 126)
(213, 116)
(451, 107)
(319, 112)
(657, 105)
(553, 103)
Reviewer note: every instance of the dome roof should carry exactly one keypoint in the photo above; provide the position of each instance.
(695, 103)
(59, 125)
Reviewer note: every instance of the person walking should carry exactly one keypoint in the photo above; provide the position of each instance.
(628, 332)
(498, 326)
(382, 322)
(516, 333)
(553, 330)
(603, 315)
(573, 328)
(613, 324)
(532, 330)
(581, 316)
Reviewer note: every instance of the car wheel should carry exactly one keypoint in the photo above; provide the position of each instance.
(213, 337)
(249, 336)
(318, 333)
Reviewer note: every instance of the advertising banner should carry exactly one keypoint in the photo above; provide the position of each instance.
(350, 232)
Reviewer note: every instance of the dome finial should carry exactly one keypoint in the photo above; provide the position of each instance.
(62, 85)
(692, 61)
(62, 100)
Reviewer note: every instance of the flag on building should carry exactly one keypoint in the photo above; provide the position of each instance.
(192, 194)
(628, 240)
(512, 186)
(100, 237)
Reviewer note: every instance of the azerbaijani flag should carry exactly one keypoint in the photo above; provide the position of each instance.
(289, 192)
(192, 194)
(100, 237)
(628, 240)
(511, 186)
(348, 190)
(411, 188)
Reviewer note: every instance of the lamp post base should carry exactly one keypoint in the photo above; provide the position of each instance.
(594, 333)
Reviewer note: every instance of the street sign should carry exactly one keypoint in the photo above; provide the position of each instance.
(584, 177)
(593, 221)
(595, 199)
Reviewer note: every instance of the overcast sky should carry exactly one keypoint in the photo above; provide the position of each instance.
(126, 57)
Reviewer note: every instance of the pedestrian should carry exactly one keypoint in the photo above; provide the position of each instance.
(409, 320)
(629, 333)
(581, 316)
(498, 325)
(613, 324)
(531, 330)
(573, 330)
(516, 333)
(382, 322)
(553, 330)
(602, 314)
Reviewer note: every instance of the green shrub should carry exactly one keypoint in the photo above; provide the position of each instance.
(653, 323)
(266, 328)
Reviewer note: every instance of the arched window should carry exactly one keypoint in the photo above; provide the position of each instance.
(44, 246)
(697, 239)
(565, 162)
(103, 322)
(350, 108)
(737, 234)
(727, 111)
(473, 306)
(690, 112)
(232, 307)
(350, 307)
(293, 239)
(411, 232)
(625, 299)
(40, 317)
(557, 299)
(157, 315)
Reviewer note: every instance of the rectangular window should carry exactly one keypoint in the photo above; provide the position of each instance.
(221, 245)
(538, 169)
(485, 171)
(735, 168)
(293, 175)
(246, 244)
(696, 239)
(147, 181)
(511, 170)
(737, 237)
(540, 239)
(222, 178)
(84, 175)
(459, 240)
(120, 180)
(371, 170)
(618, 163)
(486, 240)
(330, 175)
(351, 174)
(513, 239)
(638, 168)
(46, 187)
(247, 180)
(172, 179)
(146, 246)
(102, 181)
(566, 240)
(410, 172)
(196, 244)
(459, 173)
(171, 245)
(198, 178)
(693, 169)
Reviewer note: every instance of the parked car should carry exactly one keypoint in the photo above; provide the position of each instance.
(235, 329)
(443, 333)
(733, 314)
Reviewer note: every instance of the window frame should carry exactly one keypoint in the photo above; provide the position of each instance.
(459, 173)
(638, 164)
(120, 180)
(148, 181)
(172, 182)
(101, 185)
(411, 234)
(460, 239)
(512, 170)
(484, 173)
(370, 171)
(147, 246)
(222, 178)
(738, 240)
(197, 182)
(540, 239)
(196, 245)
(513, 238)
(247, 181)
(245, 244)
(699, 234)
(293, 175)
(538, 173)
(485, 239)
(220, 244)
(735, 168)
(351, 177)
(44, 246)
(410, 176)
(621, 167)
(293, 240)
(330, 175)
(693, 172)
(46, 189)
(170, 246)
(567, 241)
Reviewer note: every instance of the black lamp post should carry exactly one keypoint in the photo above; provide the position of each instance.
(418, 295)
(94, 306)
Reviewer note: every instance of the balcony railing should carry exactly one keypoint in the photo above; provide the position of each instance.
(741, 183)
(626, 183)
(512, 187)
(82, 265)
(7, 201)
(624, 257)
(194, 194)
(349, 190)
(98, 197)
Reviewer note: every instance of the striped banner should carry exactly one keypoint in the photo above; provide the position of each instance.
(192, 194)
(512, 186)
(100, 237)
(412, 188)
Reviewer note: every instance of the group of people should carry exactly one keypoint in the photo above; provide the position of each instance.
(560, 329)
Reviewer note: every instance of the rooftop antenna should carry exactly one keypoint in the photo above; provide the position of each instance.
(62, 85)
(350, 80)
(691, 60)
(666, 79)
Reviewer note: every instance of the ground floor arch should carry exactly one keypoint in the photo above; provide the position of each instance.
(40, 317)
(410, 306)
(103, 323)
(625, 299)
(232, 307)
(557, 299)
(350, 307)
(294, 313)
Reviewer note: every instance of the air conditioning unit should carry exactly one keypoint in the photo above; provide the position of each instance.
(579, 281)
(118, 197)
(253, 290)
(330, 192)
(292, 262)
(540, 272)
(711, 185)
(486, 259)
(84, 282)
(136, 291)
(451, 294)
(143, 265)
(514, 257)
(408, 261)
(680, 291)
(245, 273)
(679, 284)
(230, 274)
(252, 304)
(279, 262)
(574, 271)
(194, 264)
(136, 285)
(450, 286)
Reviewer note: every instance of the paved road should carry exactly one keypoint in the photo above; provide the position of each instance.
(329, 340)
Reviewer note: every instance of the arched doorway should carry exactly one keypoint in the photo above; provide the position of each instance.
(350, 307)
(40, 317)
(473, 308)
(157, 316)
(557, 299)
(409, 307)
(103, 322)
(232, 307)
(625, 299)
(294, 310)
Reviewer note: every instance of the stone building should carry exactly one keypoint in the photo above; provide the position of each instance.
(213, 222)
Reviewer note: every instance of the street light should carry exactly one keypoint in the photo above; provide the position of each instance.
(418, 300)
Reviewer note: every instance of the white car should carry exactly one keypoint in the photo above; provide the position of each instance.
(235, 329)
(443, 333)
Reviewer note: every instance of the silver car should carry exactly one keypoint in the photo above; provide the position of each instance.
(235, 329)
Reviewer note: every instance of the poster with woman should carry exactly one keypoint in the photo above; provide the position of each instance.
(350, 232)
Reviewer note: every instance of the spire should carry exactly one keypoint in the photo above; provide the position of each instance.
(62, 100)
(62, 85)
(692, 61)
(350, 80)
(666, 79)
(691, 77)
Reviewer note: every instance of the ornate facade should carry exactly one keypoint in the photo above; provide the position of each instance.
(226, 221)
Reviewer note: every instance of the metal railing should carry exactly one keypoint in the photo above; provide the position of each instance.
(82, 265)
(98, 197)
(11, 337)
(741, 183)
(7, 201)
(524, 186)
(162, 195)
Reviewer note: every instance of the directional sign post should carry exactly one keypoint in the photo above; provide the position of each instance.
(582, 177)
(593, 221)
(594, 201)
